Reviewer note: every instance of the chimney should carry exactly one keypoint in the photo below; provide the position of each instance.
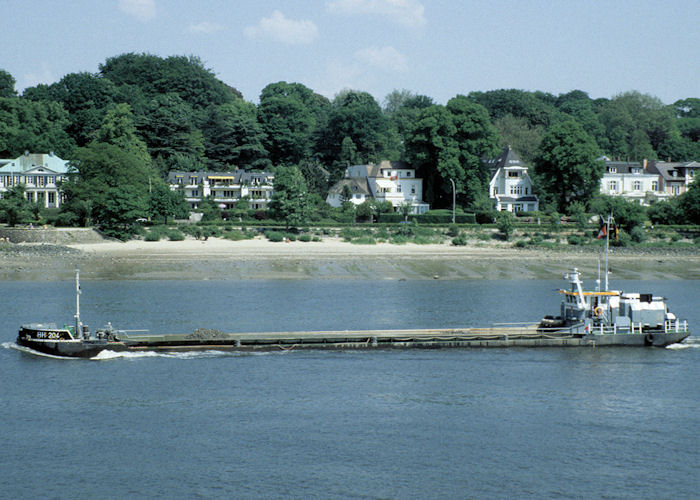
(644, 164)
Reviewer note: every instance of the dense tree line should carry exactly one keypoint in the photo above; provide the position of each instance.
(173, 113)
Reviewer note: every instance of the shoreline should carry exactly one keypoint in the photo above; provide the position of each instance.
(330, 259)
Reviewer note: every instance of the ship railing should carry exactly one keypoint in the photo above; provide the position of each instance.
(675, 325)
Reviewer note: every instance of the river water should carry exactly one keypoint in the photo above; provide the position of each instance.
(472, 423)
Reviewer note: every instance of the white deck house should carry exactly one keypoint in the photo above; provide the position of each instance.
(40, 174)
(225, 188)
(647, 181)
(511, 187)
(390, 181)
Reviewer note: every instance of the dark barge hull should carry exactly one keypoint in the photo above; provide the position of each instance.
(339, 340)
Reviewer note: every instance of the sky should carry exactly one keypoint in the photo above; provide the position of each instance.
(438, 48)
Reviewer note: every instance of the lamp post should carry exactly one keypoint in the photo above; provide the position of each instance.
(454, 197)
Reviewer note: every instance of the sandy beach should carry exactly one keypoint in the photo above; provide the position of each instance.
(331, 258)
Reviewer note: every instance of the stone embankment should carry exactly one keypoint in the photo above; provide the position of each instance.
(52, 235)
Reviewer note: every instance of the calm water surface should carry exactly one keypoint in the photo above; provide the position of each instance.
(479, 423)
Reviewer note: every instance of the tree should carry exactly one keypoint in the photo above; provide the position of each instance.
(519, 103)
(345, 194)
(111, 185)
(234, 138)
(14, 206)
(33, 126)
(118, 209)
(85, 96)
(164, 203)
(7, 84)
(380, 207)
(627, 214)
(289, 115)
(355, 115)
(401, 109)
(290, 201)
(505, 221)
(432, 150)
(168, 128)
(522, 137)
(636, 125)
(690, 203)
(184, 75)
(566, 165)
(118, 128)
(476, 139)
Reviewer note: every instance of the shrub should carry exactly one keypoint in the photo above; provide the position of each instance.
(305, 237)
(152, 236)
(576, 239)
(460, 240)
(399, 240)
(274, 236)
(637, 234)
(175, 235)
(239, 235)
(453, 230)
(290, 236)
(364, 240)
(520, 244)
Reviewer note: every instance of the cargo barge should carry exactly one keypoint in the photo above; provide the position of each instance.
(587, 318)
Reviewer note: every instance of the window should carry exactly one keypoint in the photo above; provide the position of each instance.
(513, 173)
(398, 188)
(408, 173)
(413, 189)
(612, 186)
(676, 189)
(612, 170)
(516, 190)
(358, 196)
(52, 198)
(654, 185)
(517, 207)
(637, 185)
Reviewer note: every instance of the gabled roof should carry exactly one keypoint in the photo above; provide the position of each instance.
(358, 185)
(32, 161)
(374, 170)
(622, 167)
(667, 170)
(507, 158)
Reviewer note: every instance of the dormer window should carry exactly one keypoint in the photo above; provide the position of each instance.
(612, 170)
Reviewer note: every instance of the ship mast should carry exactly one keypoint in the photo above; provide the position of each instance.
(607, 243)
(78, 333)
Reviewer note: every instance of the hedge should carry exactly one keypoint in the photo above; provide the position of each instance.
(429, 218)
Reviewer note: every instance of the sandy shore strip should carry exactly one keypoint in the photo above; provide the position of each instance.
(331, 259)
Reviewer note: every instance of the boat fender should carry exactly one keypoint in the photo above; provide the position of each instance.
(649, 339)
(598, 311)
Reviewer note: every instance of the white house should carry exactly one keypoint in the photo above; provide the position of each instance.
(647, 181)
(511, 187)
(390, 181)
(225, 188)
(39, 172)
